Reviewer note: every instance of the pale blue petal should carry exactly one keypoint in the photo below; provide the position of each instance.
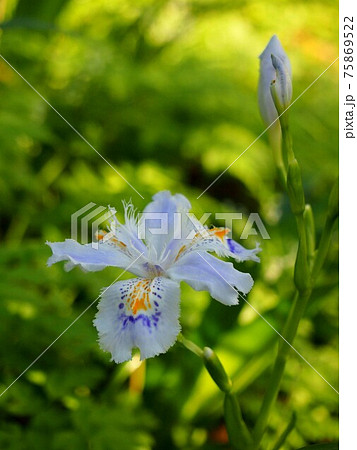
(267, 74)
(164, 202)
(241, 253)
(92, 259)
(216, 240)
(128, 232)
(138, 313)
(204, 272)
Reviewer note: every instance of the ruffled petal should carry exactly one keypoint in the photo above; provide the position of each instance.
(138, 313)
(128, 233)
(216, 240)
(240, 253)
(204, 272)
(93, 259)
(181, 233)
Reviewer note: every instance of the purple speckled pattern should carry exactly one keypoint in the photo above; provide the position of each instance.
(127, 317)
(233, 246)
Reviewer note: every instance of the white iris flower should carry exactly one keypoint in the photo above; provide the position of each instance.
(143, 312)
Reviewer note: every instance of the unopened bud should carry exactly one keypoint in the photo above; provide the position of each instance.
(282, 84)
(274, 68)
(310, 233)
(216, 370)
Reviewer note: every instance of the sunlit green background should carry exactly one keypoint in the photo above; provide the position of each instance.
(166, 91)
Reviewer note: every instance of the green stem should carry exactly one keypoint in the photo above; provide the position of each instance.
(290, 426)
(238, 431)
(290, 330)
(302, 273)
(331, 217)
(323, 248)
(304, 276)
(275, 144)
(289, 333)
(301, 227)
(282, 174)
(190, 345)
(301, 278)
(287, 142)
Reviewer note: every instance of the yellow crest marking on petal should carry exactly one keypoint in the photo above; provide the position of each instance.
(100, 235)
(182, 249)
(117, 242)
(220, 232)
(138, 298)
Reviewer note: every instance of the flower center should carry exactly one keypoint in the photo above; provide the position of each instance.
(154, 270)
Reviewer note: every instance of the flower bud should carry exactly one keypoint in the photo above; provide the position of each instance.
(282, 85)
(295, 188)
(310, 233)
(216, 370)
(275, 69)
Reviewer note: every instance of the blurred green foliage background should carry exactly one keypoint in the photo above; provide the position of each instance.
(166, 91)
